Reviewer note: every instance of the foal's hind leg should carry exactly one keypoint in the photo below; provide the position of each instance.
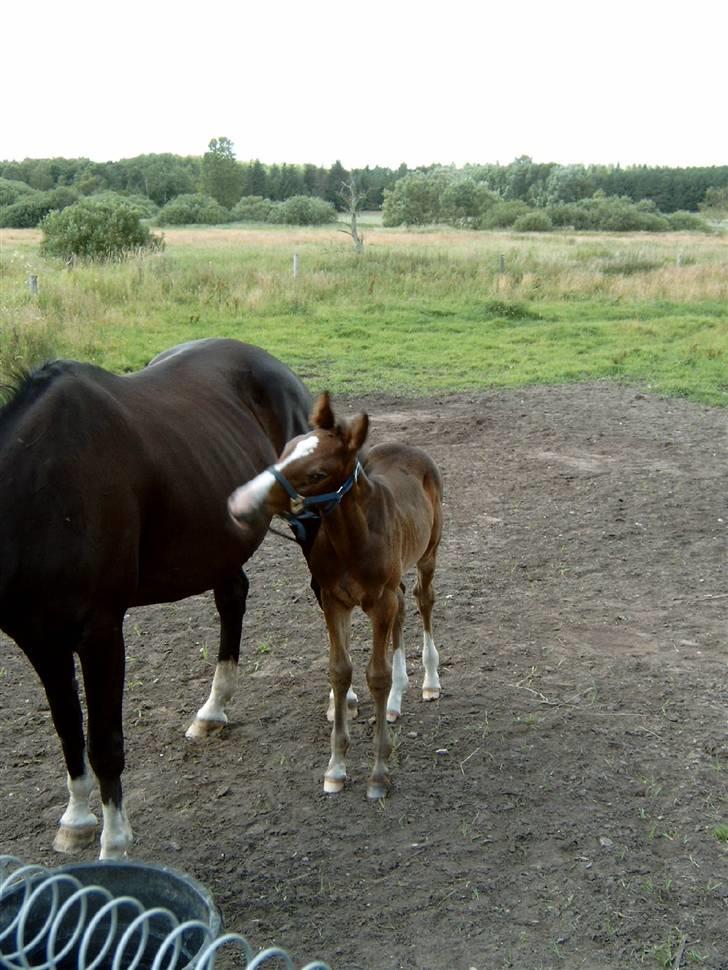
(425, 596)
(77, 826)
(399, 663)
(230, 599)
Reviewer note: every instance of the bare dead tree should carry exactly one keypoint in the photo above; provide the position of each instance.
(353, 198)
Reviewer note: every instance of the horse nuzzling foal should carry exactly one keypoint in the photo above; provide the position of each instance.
(379, 516)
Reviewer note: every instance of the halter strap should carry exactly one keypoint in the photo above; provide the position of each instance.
(307, 507)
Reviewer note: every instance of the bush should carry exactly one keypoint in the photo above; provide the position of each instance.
(303, 210)
(252, 208)
(503, 214)
(689, 221)
(29, 210)
(535, 221)
(142, 204)
(93, 229)
(194, 209)
(11, 190)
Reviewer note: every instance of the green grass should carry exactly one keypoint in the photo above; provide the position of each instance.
(417, 313)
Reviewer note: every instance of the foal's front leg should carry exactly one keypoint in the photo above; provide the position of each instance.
(338, 623)
(383, 614)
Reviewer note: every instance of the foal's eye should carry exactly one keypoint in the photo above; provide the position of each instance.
(317, 476)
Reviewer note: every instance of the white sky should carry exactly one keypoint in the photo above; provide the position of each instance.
(624, 81)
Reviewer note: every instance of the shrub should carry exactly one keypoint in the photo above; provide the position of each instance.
(690, 221)
(303, 210)
(11, 190)
(252, 208)
(193, 209)
(503, 214)
(535, 221)
(29, 210)
(96, 229)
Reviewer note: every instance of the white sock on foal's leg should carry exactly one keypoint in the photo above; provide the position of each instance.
(430, 660)
(399, 685)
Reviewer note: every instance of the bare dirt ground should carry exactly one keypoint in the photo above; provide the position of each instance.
(559, 807)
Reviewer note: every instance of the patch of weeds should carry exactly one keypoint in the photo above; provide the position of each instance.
(629, 265)
(507, 310)
(263, 647)
(669, 953)
(721, 833)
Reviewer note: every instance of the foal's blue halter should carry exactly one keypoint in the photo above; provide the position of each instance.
(306, 508)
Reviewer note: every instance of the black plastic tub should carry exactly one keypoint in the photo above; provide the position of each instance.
(153, 886)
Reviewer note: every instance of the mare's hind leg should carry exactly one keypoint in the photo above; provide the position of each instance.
(230, 599)
(101, 652)
(399, 663)
(425, 596)
(77, 826)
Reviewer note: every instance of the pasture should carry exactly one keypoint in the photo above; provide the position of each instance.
(565, 803)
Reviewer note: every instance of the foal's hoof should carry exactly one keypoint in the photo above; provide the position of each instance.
(392, 716)
(74, 838)
(201, 729)
(377, 790)
(430, 693)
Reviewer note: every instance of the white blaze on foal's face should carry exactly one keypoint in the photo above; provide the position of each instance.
(253, 494)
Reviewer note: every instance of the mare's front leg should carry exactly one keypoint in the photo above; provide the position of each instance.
(338, 624)
(101, 652)
(230, 600)
(383, 614)
(56, 669)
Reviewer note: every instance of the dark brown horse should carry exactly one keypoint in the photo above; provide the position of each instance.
(113, 493)
(378, 517)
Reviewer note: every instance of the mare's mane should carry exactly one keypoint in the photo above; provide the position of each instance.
(25, 385)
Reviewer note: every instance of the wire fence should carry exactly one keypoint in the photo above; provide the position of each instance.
(61, 919)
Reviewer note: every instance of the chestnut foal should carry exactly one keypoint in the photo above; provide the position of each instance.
(378, 517)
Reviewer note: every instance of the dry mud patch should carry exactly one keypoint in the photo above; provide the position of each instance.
(557, 807)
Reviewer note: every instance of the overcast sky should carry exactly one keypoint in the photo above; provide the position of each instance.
(625, 81)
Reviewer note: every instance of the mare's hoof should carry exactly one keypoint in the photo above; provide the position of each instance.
(430, 693)
(392, 716)
(332, 786)
(74, 838)
(114, 852)
(199, 729)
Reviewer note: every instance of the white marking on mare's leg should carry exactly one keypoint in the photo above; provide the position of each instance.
(116, 836)
(211, 717)
(399, 685)
(77, 825)
(352, 705)
(430, 660)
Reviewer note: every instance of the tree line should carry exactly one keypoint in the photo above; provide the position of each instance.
(31, 188)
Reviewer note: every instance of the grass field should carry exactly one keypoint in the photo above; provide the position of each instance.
(419, 312)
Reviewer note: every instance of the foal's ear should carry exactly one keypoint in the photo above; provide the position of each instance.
(357, 431)
(322, 416)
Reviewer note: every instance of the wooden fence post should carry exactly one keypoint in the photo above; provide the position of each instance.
(33, 285)
(295, 265)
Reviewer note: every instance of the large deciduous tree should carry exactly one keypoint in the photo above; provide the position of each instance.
(222, 176)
